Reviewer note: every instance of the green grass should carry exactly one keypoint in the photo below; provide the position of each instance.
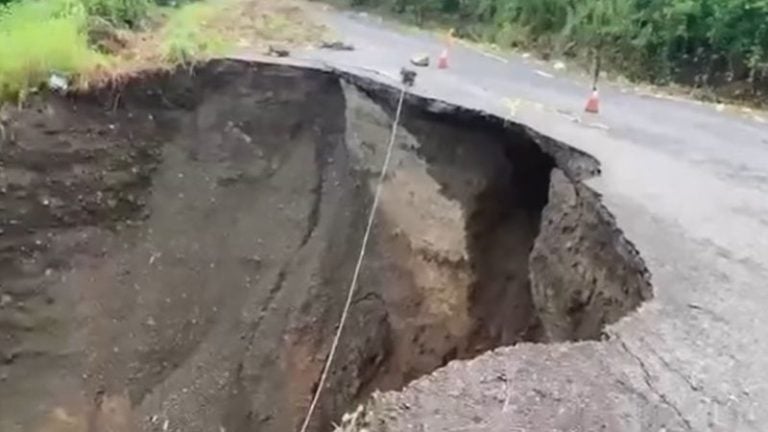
(41, 36)
(38, 37)
(189, 36)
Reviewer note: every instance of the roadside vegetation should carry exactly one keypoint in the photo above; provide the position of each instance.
(77, 39)
(719, 44)
(92, 41)
(39, 36)
(188, 36)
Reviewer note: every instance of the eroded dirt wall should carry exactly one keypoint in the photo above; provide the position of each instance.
(458, 216)
(156, 238)
(585, 274)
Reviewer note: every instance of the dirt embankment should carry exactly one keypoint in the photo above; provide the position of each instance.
(174, 253)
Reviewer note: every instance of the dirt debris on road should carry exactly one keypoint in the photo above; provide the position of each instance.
(175, 250)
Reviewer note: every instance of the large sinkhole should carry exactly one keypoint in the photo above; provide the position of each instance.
(175, 250)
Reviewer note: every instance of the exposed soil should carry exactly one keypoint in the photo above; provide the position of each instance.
(174, 253)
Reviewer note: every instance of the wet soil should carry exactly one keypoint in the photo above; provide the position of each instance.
(175, 251)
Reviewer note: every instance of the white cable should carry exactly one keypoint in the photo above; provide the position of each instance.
(358, 266)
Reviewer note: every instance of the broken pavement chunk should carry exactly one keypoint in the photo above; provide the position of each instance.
(275, 51)
(337, 46)
(421, 60)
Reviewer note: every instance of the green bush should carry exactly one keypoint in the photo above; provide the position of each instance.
(128, 12)
(122, 12)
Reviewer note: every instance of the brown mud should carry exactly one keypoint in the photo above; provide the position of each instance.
(174, 253)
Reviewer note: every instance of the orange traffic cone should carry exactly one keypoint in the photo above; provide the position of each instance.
(442, 61)
(593, 103)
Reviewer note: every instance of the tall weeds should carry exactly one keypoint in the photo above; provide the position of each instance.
(38, 37)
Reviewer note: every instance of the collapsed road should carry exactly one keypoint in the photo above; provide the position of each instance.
(688, 183)
(175, 250)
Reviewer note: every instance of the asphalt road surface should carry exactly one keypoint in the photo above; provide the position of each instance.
(688, 184)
